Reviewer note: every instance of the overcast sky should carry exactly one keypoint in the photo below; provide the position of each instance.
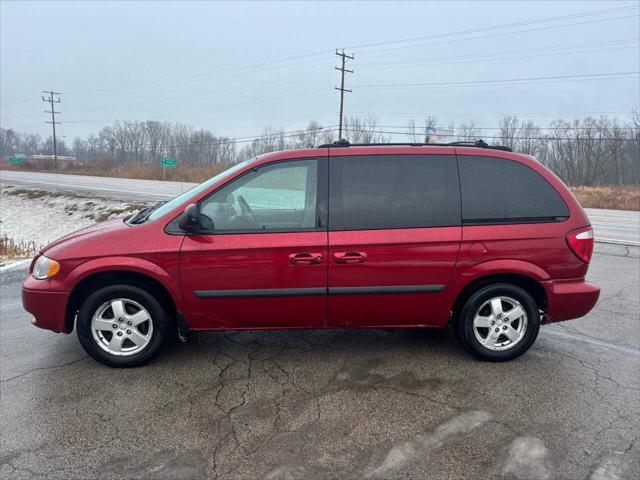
(235, 67)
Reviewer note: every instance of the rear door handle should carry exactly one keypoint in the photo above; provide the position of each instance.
(305, 258)
(350, 257)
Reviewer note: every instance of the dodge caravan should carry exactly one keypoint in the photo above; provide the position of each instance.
(339, 236)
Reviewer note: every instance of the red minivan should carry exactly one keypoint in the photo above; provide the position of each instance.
(339, 236)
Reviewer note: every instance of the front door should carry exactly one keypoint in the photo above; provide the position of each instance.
(261, 259)
(394, 237)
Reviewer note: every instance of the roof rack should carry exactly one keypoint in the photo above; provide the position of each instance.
(478, 144)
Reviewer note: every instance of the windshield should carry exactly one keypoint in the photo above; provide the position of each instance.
(194, 192)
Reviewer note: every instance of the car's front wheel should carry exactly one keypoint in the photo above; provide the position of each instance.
(121, 325)
(499, 322)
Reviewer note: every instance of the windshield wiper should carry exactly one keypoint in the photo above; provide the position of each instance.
(141, 215)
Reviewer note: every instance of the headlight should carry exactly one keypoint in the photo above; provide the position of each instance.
(45, 268)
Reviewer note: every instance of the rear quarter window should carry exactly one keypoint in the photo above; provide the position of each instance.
(393, 191)
(497, 190)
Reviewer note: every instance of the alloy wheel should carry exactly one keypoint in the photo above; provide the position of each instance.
(122, 327)
(500, 323)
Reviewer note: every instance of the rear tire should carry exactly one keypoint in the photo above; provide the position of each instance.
(498, 323)
(122, 325)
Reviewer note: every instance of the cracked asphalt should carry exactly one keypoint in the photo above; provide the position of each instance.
(331, 404)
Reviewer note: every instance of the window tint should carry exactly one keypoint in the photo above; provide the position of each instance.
(278, 197)
(499, 190)
(393, 191)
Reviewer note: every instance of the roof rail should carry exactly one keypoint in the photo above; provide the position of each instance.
(478, 144)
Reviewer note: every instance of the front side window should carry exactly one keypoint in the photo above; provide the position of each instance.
(276, 197)
(194, 192)
(497, 190)
(393, 191)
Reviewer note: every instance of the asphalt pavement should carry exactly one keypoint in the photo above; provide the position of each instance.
(611, 226)
(331, 404)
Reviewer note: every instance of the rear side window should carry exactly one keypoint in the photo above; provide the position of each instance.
(393, 191)
(496, 190)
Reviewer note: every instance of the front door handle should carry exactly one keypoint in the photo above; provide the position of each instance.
(350, 257)
(305, 258)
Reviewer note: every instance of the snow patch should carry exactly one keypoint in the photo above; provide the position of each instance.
(528, 459)
(9, 267)
(31, 215)
(284, 473)
(611, 467)
(408, 451)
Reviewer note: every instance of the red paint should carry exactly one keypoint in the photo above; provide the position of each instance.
(477, 251)
(416, 256)
(451, 257)
(253, 261)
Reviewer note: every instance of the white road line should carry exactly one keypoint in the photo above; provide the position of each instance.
(591, 341)
(15, 265)
(617, 242)
(89, 187)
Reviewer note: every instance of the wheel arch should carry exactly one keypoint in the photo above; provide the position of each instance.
(103, 278)
(527, 283)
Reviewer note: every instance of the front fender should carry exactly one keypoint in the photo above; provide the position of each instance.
(127, 264)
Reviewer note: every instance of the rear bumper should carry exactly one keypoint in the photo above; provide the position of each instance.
(568, 299)
(48, 308)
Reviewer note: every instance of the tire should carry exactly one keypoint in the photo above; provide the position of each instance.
(490, 325)
(122, 325)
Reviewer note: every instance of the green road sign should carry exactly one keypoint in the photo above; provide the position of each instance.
(168, 162)
(17, 159)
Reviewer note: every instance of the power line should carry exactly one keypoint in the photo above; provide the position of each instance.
(494, 27)
(172, 81)
(20, 100)
(491, 35)
(466, 59)
(521, 114)
(52, 99)
(511, 138)
(342, 70)
(553, 129)
(223, 94)
(501, 81)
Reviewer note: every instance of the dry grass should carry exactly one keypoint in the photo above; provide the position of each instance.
(10, 249)
(624, 197)
(616, 197)
(183, 173)
(144, 171)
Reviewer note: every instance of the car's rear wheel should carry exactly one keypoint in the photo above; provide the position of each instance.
(122, 325)
(498, 322)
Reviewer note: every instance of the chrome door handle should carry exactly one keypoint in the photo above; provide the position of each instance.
(350, 257)
(305, 258)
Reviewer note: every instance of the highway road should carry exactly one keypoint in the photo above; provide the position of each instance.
(611, 226)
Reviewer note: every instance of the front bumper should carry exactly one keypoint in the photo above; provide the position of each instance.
(48, 308)
(568, 299)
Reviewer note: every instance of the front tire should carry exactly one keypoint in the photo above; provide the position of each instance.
(498, 323)
(122, 325)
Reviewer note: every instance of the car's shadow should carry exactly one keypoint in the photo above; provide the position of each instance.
(266, 343)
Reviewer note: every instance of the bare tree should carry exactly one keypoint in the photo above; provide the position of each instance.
(363, 130)
(412, 133)
(468, 132)
(310, 137)
(509, 127)
(586, 151)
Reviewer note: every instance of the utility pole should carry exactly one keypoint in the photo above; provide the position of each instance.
(342, 89)
(51, 99)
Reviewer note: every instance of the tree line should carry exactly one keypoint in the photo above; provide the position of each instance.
(586, 151)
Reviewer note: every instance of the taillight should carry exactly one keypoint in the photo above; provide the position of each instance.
(581, 243)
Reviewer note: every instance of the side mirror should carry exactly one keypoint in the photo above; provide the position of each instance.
(190, 220)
